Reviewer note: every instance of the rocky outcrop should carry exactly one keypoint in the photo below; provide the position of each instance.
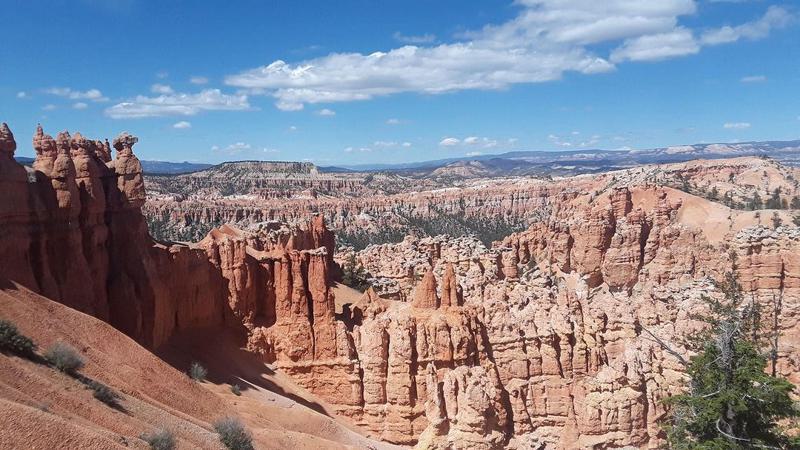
(73, 231)
(562, 309)
(542, 340)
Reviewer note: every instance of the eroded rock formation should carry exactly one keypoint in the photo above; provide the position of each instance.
(540, 341)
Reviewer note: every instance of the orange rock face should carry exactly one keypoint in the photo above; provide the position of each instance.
(73, 231)
(536, 342)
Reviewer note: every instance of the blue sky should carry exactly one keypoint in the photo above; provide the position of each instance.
(350, 82)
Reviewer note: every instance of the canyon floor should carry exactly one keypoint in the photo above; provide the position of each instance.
(453, 309)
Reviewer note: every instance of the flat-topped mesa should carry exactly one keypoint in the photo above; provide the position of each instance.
(425, 294)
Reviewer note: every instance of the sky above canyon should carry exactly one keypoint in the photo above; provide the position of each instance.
(348, 82)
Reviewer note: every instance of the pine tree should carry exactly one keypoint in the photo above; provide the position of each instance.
(731, 402)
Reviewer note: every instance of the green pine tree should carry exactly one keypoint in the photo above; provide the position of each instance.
(731, 402)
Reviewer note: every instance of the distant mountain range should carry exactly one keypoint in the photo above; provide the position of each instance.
(588, 161)
(152, 167)
(569, 162)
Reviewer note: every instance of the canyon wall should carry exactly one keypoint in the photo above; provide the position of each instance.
(544, 340)
(73, 231)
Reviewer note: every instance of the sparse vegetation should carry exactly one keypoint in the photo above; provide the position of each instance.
(11, 340)
(197, 372)
(104, 393)
(776, 220)
(160, 440)
(354, 274)
(236, 390)
(233, 434)
(731, 402)
(64, 358)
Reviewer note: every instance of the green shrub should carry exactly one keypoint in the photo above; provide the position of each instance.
(64, 358)
(197, 372)
(233, 435)
(12, 341)
(160, 440)
(236, 390)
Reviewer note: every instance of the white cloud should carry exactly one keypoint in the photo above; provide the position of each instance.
(575, 141)
(474, 153)
(161, 89)
(178, 105)
(736, 125)
(753, 79)
(654, 47)
(182, 125)
(270, 150)
(292, 128)
(776, 17)
(22, 94)
(406, 144)
(233, 149)
(426, 38)
(198, 80)
(79, 105)
(449, 142)
(471, 141)
(392, 121)
(162, 74)
(385, 144)
(49, 107)
(546, 39)
(92, 94)
(326, 112)
(357, 149)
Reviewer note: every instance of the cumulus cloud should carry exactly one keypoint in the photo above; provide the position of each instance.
(326, 112)
(473, 141)
(449, 142)
(546, 39)
(178, 105)
(22, 94)
(426, 38)
(161, 89)
(474, 153)
(79, 105)
(392, 121)
(736, 125)
(753, 79)
(198, 80)
(92, 94)
(182, 125)
(233, 149)
(655, 47)
(776, 17)
(49, 107)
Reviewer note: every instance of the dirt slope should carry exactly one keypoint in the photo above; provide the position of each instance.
(41, 408)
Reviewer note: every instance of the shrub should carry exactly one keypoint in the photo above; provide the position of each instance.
(12, 341)
(64, 358)
(160, 440)
(236, 390)
(197, 372)
(233, 435)
(104, 393)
